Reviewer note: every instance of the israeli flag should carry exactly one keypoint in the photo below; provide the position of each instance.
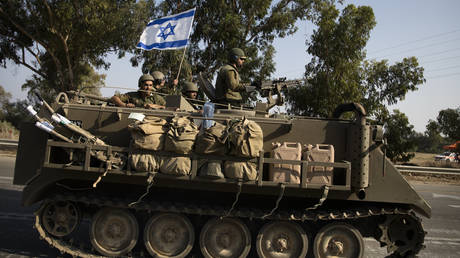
(170, 32)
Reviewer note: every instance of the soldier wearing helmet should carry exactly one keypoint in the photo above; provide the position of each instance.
(145, 97)
(189, 90)
(159, 83)
(228, 86)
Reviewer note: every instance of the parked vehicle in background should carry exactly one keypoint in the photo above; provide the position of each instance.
(446, 156)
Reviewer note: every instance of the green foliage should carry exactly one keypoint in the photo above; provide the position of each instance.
(448, 122)
(221, 25)
(59, 39)
(387, 84)
(8, 131)
(334, 73)
(400, 137)
(338, 72)
(4, 98)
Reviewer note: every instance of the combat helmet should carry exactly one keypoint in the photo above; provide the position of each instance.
(189, 86)
(158, 76)
(143, 78)
(236, 53)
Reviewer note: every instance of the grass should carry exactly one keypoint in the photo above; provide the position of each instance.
(427, 160)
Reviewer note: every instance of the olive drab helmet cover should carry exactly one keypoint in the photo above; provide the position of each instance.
(189, 86)
(236, 53)
(143, 78)
(158, 77)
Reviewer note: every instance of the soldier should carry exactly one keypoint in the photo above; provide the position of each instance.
(159, 83)
(145, 97)
(190, 91)
(228, 86)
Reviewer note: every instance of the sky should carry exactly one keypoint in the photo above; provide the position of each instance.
(426, 29)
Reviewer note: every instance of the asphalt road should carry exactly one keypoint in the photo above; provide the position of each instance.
(18, 238)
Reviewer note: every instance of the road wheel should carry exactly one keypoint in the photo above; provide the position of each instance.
(338, 240)
(282, 239)
(169, 235)
(60, 218)
(114, 232)
(227, 237)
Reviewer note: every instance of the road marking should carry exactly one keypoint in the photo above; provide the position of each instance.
(443, 239)
(6, 178)
(443, 243)
(444, 231)
(16, 216)
(454, 206)
(446, 196)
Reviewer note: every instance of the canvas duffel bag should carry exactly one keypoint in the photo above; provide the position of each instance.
(148, 134)
(181, 135)
(144, 162)
(211, 140)
(179, 166)
(245, 138)
(240, 170)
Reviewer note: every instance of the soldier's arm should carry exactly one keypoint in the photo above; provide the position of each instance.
(117, 101)
(232, 81)
(153, 106)
(160, 103)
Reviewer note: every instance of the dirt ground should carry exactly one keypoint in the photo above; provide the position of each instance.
(430, 179)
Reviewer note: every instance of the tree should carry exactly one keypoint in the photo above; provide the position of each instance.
(58, 39)
(222, 25)
(338, 72)
(4, 99)
(448, 122)
(400, 137)
(431, 141)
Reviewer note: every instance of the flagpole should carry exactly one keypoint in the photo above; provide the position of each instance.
(182, 60)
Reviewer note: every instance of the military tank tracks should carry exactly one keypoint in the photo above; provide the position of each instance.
(170, 233)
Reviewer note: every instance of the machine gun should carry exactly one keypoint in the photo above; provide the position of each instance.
(267, 89)
(271, 88)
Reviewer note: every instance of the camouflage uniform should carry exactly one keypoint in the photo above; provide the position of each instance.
(138, 100)
(228, 86)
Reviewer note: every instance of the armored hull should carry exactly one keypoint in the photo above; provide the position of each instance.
(137, 213)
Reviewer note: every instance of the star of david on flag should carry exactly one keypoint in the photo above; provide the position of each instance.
(170, 32)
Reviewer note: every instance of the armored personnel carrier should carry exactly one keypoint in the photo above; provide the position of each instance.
(309, 187)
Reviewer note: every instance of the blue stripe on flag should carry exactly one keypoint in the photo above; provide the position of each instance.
(170, 44)
(177, 17)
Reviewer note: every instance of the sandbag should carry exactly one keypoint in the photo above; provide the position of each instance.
(245, 138)
(144, 162)
(211, 140)
(181, 135)
(240, 170)
(148, 134)
(179, 166)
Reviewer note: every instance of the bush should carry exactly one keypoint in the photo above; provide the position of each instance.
(8, 131)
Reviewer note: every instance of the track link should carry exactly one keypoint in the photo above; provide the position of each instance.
(385, 238)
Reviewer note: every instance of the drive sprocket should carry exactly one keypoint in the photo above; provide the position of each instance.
(403, 234)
